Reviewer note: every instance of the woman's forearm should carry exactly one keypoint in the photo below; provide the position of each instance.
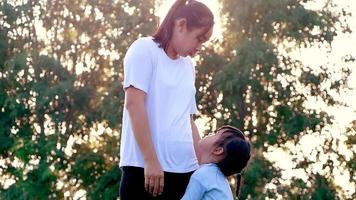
(153, 173)
(135, 105)
(195, 133)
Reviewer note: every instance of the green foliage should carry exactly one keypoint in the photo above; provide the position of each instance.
(323, 189)
(88, 167)
(61, 83)
(107, 186)
(57, 86)
(259, 172)
(250, 80)
(38, 185)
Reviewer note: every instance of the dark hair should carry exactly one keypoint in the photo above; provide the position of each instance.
(237, 152)
(197, 14)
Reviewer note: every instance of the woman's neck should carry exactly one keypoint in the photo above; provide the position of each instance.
(171, 52)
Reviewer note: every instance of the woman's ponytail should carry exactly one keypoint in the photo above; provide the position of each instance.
(196, 13)
(173, 10)
(164, 31)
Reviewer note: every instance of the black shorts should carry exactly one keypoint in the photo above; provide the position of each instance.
(132, 185)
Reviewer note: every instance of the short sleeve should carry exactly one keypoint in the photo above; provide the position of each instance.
(195, 190)
(138, 65)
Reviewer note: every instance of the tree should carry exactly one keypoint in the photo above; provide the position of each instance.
(61, 96)
(251, 81)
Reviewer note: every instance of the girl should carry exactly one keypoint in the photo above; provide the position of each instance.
(220, 155)
(158, 136)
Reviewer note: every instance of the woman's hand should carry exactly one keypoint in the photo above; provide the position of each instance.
(154, 177)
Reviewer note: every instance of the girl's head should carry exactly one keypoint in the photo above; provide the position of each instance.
(185, 28)
(237, 150)
(228, 148)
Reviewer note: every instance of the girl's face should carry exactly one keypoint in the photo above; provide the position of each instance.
(187, 42)
(207, 146)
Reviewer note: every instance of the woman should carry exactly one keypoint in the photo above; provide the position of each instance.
(157, 153)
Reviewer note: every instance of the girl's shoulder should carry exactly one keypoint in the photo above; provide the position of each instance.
(210, 176)
(204, 169)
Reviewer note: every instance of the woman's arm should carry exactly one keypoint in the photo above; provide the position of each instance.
(195, 133)
(135, 105)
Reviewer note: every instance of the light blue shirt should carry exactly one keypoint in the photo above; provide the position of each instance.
(208, 183)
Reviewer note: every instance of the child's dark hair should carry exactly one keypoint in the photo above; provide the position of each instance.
(196, 13)
(237, 152)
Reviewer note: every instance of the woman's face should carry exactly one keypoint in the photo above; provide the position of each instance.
(187, 42)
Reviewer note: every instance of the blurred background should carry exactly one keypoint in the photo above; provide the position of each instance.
(281, 70)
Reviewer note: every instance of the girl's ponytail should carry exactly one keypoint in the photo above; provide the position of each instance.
(238, 184)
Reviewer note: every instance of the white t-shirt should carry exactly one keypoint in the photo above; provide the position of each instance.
(170, 101)
(208, 183)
